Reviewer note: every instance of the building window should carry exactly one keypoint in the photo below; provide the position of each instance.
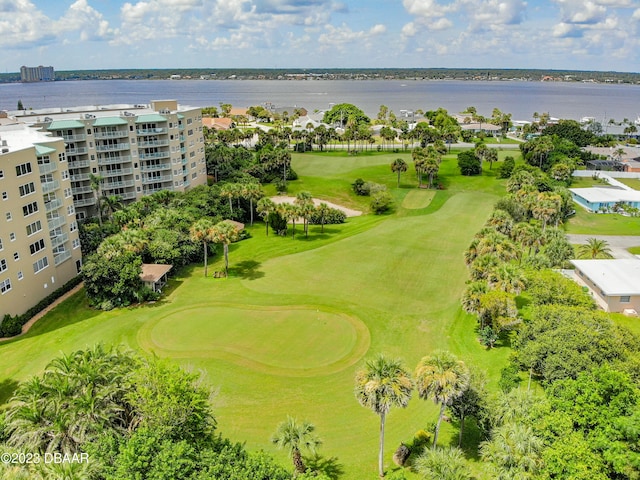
(1, 245)
(3, 265)
(625, 299)
(65, 174)
(34, 227)
(12, 236)
(23, 169)
(40, 265)
(20, 275)
(73, 226)
(36, 246)
(62, 157)
(5, 195)
(67, 192)
(27, 189)
(16, 256)
(71, 210)
(9, 216)
(75, 243)
(1, 173)
(30, 209)
(5, 286)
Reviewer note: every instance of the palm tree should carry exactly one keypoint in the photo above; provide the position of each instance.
(442, 378)
(419, 160)
(253, 192)
(398, 166)
(594, 248)
(229, 191)
(322, 210)
(432, 164)
(201, 232)
(471, 296)
(383, 383)
(225, 232)
(96, 183)
(508, 278)
(442, 464)
(491, 156)
(110, 204)
(304, 202)
(294, 437)
(265, 207)
(290, 213)
(513, 452)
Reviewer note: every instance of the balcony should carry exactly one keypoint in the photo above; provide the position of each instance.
(116, 173)
(59, 240)
(47, 168)
(127, 195)
(84, 202)
(111, 134)
(151, 131)
(48, 187)
(147, 156)
(180, 127)
(154, 143)
(79, 190)
(155, 167)
(55, 222)
(80, 137)
(76, 151)
(112, 147)
(61, 257)
(114, 160)
(79, 164)
(80, 177)
(157, 179)
(114, 185)
(52, 205)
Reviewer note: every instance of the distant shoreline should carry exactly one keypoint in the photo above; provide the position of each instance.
(406, 74)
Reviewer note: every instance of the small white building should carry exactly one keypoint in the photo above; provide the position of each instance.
(615, 284)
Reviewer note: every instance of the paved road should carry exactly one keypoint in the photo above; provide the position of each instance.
(617, 243)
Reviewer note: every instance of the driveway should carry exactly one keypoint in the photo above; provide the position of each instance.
(617, 243)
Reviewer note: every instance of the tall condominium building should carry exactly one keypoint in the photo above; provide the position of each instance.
(39, 245)
(134, 150)
(37, 74)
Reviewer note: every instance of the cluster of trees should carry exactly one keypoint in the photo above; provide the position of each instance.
(384, 383)
(381, 199)
(520, 235)
(470, 161)
(135, 418)
(584, 423)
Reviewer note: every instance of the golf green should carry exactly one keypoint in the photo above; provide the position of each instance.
(289, 341)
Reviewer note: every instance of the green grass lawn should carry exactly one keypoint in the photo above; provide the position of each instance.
(285, 333)
(602, 223)
(630, 182)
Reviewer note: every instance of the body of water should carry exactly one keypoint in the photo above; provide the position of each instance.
(521, 99)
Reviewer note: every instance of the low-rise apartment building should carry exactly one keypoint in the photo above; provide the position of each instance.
(39, 245)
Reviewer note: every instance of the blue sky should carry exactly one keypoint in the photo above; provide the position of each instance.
(547, 34)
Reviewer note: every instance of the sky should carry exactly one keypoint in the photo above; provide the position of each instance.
(104, 34)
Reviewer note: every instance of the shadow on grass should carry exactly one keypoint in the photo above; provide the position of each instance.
(328, 466)
(471, 439)
(7, 387)
(247, 270)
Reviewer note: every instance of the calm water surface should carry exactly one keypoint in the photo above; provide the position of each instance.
(522, 99)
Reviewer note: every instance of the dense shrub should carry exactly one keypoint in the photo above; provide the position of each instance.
(381, 202)
(506, 169)
(331, 216)
(469, 164)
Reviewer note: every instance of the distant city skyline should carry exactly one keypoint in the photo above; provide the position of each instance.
(545, 34)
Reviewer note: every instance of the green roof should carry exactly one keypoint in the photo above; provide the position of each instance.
(109, 121)
(180, 116)
(153, 117)
(43, 150)
(62, 124)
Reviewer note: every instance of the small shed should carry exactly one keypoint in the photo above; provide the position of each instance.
(154, 275)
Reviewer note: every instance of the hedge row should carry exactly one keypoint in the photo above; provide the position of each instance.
(12, 325)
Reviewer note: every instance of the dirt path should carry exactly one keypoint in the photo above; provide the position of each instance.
(42, 313)
(348, 211)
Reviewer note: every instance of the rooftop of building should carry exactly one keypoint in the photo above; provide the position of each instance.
(607, 194)
(19, 136)
(44, 115)
(613, 277)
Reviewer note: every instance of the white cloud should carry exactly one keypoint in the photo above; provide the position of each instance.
(491, 13)
(342, 36)
(579, 11)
